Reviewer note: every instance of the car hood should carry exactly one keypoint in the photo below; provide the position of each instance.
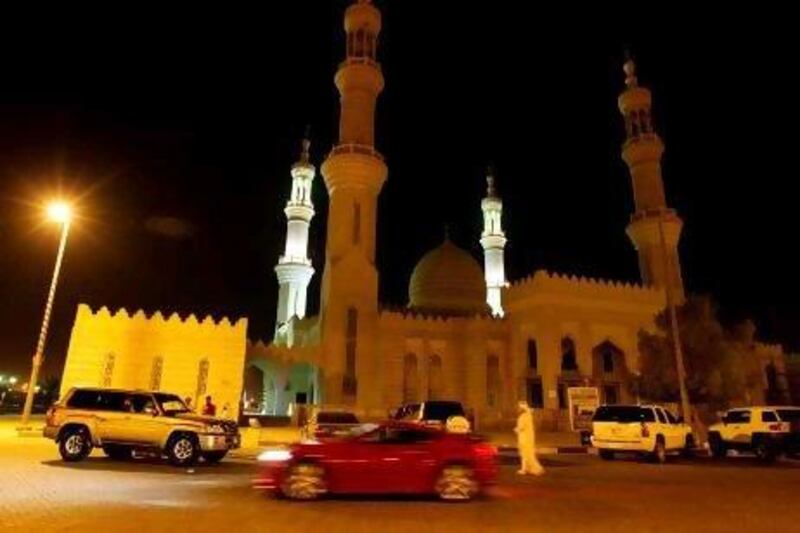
(201, 419)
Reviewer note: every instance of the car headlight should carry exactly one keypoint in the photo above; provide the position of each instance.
(275, 456)
(215, 428)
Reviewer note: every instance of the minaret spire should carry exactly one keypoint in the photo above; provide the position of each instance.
(294, 268)
(655, 229)
(493, 240)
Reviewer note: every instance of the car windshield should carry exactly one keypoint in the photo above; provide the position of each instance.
(336, 418)
(623, 413)
(789, 415)
(441, 411)
(362, 429)
(171, 404)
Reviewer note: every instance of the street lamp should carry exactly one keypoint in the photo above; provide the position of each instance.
(59, 212)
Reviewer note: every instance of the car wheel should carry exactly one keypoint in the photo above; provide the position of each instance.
(182, 449)
(688, 447)
(607, 455)
(456, 483)
(118, 453)
(717, 446)
(214, 457)
(75, 444)
(304, 481)
(659, 454)
(764, 450)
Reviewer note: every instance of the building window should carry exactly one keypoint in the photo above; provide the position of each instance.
(351, 345)
(569, 361)
(108, 369)
(356, 223)
(608, 361)
(410, 378)
(610, 394)
(535, 393)
(155, 373)
(533, 355)
(562, 396)
(492, 381)
(202, 381)
(435, 378)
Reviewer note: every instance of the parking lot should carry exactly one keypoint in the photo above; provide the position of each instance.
(578, 492)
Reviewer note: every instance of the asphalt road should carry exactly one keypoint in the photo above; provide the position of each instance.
(38, 492)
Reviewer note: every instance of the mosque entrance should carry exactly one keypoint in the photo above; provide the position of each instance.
(278, 389)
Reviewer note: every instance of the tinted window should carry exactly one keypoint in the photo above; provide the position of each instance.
(111, 401)
(406, 436)
(441, 411)
(738, 417)
(769, 416)
(623, 413)
(83, 399)
(408, 412)
(789, 415)
(670, 417)
(140, 403)
(661, 417)
(336, 418)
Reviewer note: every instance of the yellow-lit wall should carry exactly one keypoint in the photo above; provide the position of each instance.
(136, 341)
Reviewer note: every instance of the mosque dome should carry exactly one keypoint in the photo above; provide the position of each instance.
(448, 280)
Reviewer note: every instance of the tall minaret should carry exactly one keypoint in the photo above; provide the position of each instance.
(354, 174)
(655, 229)
(493, 241)
(294, 268)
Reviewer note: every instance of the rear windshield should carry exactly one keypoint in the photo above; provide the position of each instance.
(623, 413)
(789, 415)
(337, 418)
(441, 411)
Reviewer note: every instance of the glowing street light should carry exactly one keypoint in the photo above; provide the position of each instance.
(59, 212)
(13, 380)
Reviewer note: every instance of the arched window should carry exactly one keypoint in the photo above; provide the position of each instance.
(410, 378)
(493, 381)
(634, 126)
(569, 360)
(351, 346)
(108, 369)
(644, 122)
(202, 381)
(155, 373)
(435, 378)
(359, 44)
(533, 355)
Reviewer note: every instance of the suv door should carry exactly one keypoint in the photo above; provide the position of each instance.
(142, 425)
(676, 433)
(736, 428)
(112, 415)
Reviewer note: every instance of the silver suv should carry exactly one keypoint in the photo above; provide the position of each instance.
(121, 421)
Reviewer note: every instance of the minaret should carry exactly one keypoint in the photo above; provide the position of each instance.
(354, 174)
(655, 229)
(294, 268)
(493, 241)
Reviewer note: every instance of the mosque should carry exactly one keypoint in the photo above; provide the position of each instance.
(467, 333)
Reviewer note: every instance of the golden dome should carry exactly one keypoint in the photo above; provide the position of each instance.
(448, 280)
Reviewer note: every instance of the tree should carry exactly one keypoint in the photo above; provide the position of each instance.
(720, 364)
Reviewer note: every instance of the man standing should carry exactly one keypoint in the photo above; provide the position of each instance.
(209, 409)
(526, 442)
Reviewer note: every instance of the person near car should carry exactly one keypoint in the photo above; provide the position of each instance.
(526, 442)
(209, 409)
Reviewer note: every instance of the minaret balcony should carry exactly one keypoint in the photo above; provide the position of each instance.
(363, 149)
(664, 213)
(360, 60)
(492, 241)
(299, 211)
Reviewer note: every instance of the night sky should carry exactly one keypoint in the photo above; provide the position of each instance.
(176, 130)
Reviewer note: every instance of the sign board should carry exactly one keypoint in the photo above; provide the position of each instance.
(583, 401)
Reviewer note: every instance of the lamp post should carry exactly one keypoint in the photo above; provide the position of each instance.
(673, 320)
(61, 213)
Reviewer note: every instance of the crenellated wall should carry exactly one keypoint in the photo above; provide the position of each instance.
(125, 350)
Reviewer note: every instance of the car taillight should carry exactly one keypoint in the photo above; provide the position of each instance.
(50, 416)
(645, 431)
(775, 427)
(485, 450)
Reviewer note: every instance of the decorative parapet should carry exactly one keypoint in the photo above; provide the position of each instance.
(85, 312)
(544, 282)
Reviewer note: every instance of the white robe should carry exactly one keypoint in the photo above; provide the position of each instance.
(526, 444)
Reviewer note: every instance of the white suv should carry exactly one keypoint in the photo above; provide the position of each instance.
(765, 431)
(645, 429)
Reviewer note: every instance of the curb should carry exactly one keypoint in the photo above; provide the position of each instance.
(546, 450)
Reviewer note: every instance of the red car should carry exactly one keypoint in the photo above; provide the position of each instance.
(390, 458)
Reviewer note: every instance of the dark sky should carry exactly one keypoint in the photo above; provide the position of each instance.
(176, 129)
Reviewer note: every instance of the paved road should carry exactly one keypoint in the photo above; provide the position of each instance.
(578, 493)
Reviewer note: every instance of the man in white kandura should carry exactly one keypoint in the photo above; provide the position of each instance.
(526, 442)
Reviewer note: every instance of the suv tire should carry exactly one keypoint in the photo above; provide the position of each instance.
(214, 457)
(304, 481)
(606, 455)
(717, 446)
(764, 448)
(74, 444)
(688, 447)
(118, 452)
(457, 483)
(659, 454)
(183, 449)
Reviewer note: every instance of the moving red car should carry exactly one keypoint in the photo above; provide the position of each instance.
(390, 458)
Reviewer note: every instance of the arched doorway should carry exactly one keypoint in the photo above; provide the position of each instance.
(610, 372)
